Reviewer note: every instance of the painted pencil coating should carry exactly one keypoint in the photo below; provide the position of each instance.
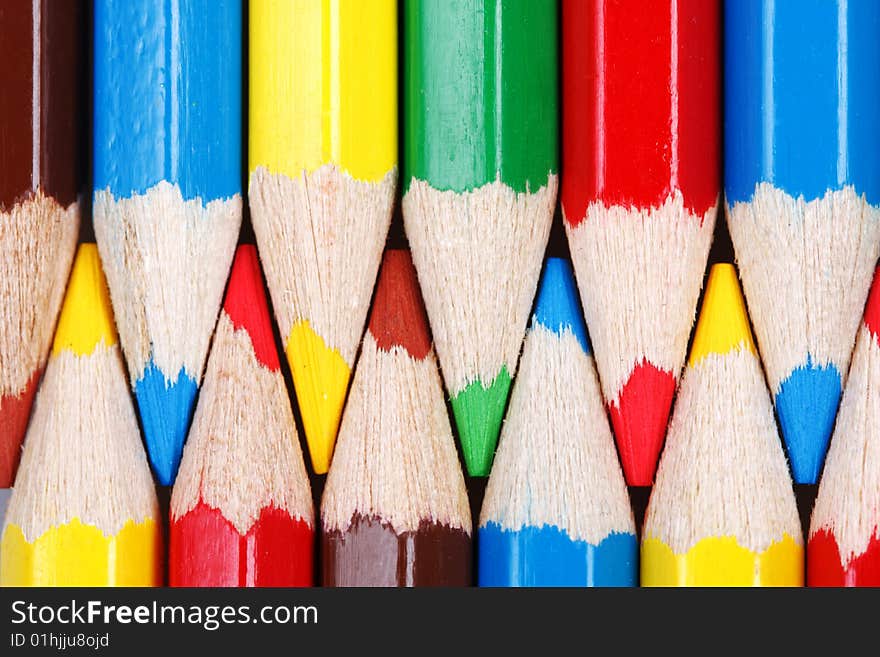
(723, 562)
(802, 167)
(371, 552)
(40, 126)
(241, 509)
(167, 193)
(722, 511)
(548, 556)
(394, 510)
(84, 510)
(641, 157)
(167, 97)
(556, 511)
(206, 550)
(483, 52)
(640, 104)
(323, 169)
(800, 99)
(844, 542)
(40, 184)
(325, 73)
(480, 178)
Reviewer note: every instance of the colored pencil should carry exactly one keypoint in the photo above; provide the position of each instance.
(640, 193)
(83, 511)
(802, 185)
(241, 510)
(722, 511)
(480, 179)
(395, 510)
(167, 194)
(844, 545)
(39, 197)
(556, 510)
(323, 170)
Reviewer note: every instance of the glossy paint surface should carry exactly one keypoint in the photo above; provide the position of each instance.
(40, 114)
(825, 567)
(371, 553)
(721, 561)
(480, 88)
(74, 554)
(168, 97)
(206, 550)
(548, 556)
(323, 86)
(640, 104)
(802, 93)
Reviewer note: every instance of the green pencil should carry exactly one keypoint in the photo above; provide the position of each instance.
(479, 177)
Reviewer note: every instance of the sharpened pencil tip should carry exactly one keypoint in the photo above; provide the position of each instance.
(165, 410)
(320, 377)
(557, 306)
(14, 414)
(639, 418)
(478, 412)
(86, 317)
(724, 323)
(807, 404)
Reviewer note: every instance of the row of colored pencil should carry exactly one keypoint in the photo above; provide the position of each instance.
(395, 510)
(641, 187)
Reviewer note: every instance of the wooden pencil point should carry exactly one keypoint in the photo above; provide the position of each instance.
(241, 509)
(556, 511)
(166, 194)
(803, 198)
(323, 171)
(722, 511)
(84, 509)
(479, 195)
(395, 510)
(724, 322)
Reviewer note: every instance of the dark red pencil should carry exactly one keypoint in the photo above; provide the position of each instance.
(241, 511)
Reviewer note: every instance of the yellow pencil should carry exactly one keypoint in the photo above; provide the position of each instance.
(722, 511)
(83, 511)
(323, 168)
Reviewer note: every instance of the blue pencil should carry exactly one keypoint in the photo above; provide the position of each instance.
(167, 193)
(556, 510)
(802, 183)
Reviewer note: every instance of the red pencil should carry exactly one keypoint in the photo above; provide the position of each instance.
(844, 546)
(241, 511)
(639, 195)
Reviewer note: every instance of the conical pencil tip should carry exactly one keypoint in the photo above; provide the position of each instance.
(723, 325)
(807, 404)
(557, 307)
(320, 377)
(639, 418)
(86, 317)
(478, 412)
(165, 410)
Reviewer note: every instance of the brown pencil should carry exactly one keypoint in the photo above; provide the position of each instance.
(395, 510)
(39, 190)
